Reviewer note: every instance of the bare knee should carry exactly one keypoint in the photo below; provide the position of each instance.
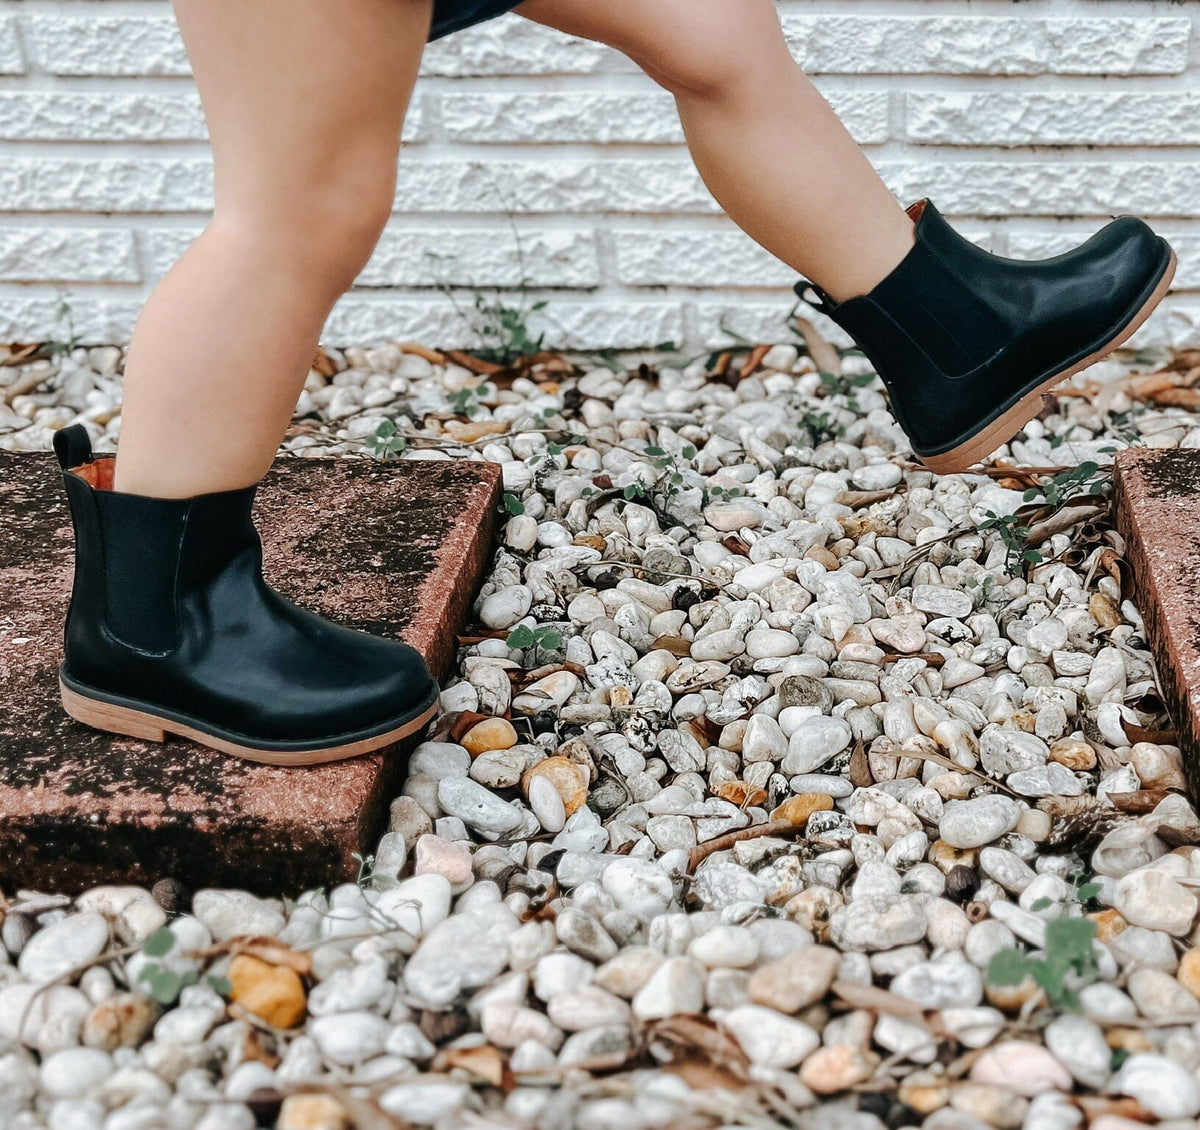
(325, 227)
(727, 48)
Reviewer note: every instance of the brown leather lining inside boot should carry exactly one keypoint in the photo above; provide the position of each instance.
(97, 474)
(916, 208)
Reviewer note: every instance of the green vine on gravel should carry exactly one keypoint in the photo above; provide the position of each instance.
(1086, 480)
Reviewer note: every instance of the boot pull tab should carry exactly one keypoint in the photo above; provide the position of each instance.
(823, 302)
(73, 446)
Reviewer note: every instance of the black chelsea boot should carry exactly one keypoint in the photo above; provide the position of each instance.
(172, 630)
(966, 342)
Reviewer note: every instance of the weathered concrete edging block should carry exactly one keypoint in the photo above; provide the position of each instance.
(396, 549)
(1158, 515)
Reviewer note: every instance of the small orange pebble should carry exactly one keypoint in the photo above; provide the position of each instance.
(569, 778)
(799, 808)
(741, 793)
(494, 733)
(1109, 923)
(273, 993)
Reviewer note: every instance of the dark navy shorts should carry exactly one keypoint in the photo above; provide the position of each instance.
(454, 15)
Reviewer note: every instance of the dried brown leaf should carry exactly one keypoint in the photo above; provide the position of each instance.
(676, 645)
(473, 364)
(752, 363)
(857, 499)
(948, 763)
(433, 356)
(324, 364)
(255, 1047)
(1139, 801)
(21, 351)
(720, 370)
(703, 1075)
(860, 767)
(1063, 520)
(702, 851)
(1137, 733)
(824, 354)
(698, 1033)
(265, 949)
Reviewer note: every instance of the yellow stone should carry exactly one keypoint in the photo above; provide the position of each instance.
(1075, 754)
(799, 808)
(1011, 998)
(569, 778)
(924, 1096)
(1109, 923)
(857, 634)
(273, 993)
(1023, 720)
(477, 429)
(837, 1068)
(123, 1020)
(1131, 1040)
(1189, 972)
(591, 541)
(952, 786)
(811, 909)
(494, 733)
(312, 1112)
(620, 697)
(947, 857)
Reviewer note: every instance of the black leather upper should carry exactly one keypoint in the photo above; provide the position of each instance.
(170, 609)
(958, 334)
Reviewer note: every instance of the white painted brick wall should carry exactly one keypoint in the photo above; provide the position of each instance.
(536, 161)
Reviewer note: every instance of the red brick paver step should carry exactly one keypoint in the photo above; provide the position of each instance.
(390, 548)
(1158, 514)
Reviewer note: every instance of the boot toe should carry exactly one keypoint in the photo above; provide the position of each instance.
(397, 686)
(1121, 260)
(412, 683)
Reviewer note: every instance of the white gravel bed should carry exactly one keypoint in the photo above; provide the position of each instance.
(779, 790)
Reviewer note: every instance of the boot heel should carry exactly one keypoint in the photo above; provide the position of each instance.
(110, 717)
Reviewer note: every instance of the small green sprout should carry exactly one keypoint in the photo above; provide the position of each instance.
(468, 400)
(386, 442)
(164, 983)
(524, 638)
(1014, 535)
(1068, 951)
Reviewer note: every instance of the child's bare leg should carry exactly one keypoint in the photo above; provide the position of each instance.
(769, 147)
(304, 101)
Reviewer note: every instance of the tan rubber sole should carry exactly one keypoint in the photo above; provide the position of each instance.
(151, 728)
(1001, 430)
